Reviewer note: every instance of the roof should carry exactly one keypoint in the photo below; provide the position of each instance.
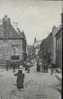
(9, 32)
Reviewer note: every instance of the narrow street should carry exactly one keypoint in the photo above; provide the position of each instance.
(36, 86)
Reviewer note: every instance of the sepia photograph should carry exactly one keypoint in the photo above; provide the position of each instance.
(31, 49)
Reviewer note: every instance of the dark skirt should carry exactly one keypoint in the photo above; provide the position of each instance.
(20, 86)
(20, 83)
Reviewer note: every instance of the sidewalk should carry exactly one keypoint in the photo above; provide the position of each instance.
(59, 79)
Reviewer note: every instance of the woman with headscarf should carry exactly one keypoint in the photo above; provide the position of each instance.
(20, 79)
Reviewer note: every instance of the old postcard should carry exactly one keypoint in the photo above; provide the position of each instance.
(31, 49)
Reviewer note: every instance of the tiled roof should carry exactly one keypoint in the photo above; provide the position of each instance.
(10, 34)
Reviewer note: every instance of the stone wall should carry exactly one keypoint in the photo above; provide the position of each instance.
(9, 48)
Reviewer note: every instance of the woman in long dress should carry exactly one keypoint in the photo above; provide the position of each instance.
(20, 79)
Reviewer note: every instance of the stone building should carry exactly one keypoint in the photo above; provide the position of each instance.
(59, 47)
(36, 46)
(12, 43)
(51, 47)
(37, 60)
(30, 53)
(54, 30)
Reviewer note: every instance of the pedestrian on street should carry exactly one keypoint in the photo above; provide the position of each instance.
(44, 68)
(38, 66)
(51, 71)
(28, 70)
(14, 67)
(7, 67)
(20, 79)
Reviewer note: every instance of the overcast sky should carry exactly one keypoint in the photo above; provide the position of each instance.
(35, 17)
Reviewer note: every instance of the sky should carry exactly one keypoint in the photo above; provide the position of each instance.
(35, 17)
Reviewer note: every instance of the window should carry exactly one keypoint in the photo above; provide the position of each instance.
(14, 50)
(57, 44)
(15, 57)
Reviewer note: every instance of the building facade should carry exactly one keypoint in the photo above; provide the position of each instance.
(59, 47)
(37, 60)
(12, 42)
(54, 31)
(36, 46)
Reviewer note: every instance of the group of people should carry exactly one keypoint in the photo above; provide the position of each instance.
(44, 67)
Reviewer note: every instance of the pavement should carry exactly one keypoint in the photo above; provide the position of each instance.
(36, 86)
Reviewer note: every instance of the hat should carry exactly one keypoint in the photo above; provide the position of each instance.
(21, 67)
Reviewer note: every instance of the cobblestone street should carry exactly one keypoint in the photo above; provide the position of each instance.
(36, 86)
